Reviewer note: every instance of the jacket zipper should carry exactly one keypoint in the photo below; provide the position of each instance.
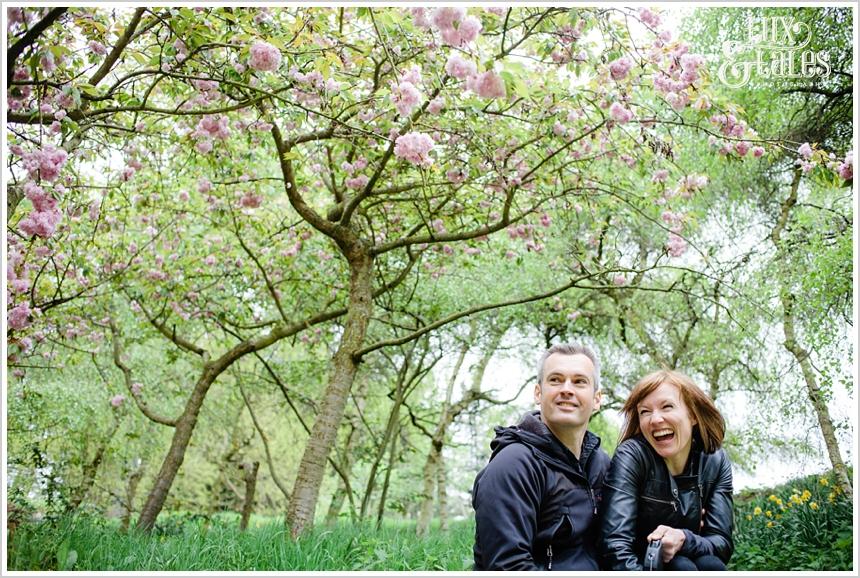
(593, 500)
(674, 505)
(549, 557)
(701, 506)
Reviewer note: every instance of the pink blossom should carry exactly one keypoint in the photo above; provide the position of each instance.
(460, 68)
(510, 255)
(487, 85)
(412, 75)
(47, 62)
(445, 17)
(469, 29)
(210, 260)
(472, 251)
(619, 113)
(649, 18)
(757, 151)
(415, 148)
(805, 151)
(676, 245)
(436, 105)
(455, 176)
(619, 280)
(405, 97)
(438, 226)
(97, 47)
(419, 17)
(264, 57)
(41, 224)
(127, 173)
(20, 285)
(545, 220)
(618, 69)
(19, 317)
(660, 176)
(358, 182)
(204, 146)
(213, 126)
(135, 388)
(117, 400)
(46, 163)
(742, 147)
(203, 186)
(251, 201)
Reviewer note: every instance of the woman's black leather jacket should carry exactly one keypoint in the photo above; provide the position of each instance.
(639, 494)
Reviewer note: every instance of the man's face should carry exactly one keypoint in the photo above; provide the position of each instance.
(566, 394)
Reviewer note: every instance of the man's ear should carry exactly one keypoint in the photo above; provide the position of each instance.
(598, 398)
(537, 393)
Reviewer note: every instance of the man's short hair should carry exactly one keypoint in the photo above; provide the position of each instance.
(571, 349)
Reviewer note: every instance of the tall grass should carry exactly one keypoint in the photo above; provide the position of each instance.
(187, 543)
(803, 525)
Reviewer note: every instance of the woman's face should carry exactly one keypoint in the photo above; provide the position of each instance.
(667, 425)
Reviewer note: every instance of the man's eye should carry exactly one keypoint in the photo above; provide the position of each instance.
(644, 412)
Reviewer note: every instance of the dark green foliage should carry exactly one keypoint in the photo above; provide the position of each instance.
(805, 524)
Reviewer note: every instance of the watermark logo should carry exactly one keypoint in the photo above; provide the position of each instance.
(775, 47)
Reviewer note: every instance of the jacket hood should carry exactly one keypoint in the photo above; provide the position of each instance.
(532, 432)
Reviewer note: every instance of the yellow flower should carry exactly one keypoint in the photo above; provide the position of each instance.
(831, 497)
(813, 505)
(806, 495)
(779, 502)
(769, 514)
(773, 498)
(824, 481)
(770, 524)
(779, 516)
(796, 499)
(757, 511)
(749, 517)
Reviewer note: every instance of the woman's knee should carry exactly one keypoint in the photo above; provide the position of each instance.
(709, 563)
(681, 564)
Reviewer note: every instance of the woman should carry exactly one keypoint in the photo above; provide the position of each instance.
(668, 480)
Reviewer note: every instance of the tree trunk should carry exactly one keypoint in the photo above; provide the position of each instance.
(815, 396)
(801, 355)
(300, 512)
(176, 454)
(250, 487)
(130, 493)
(442, 489)
(339, 496)
(392, 457)
(90, 471)
(425, 512)
(391, 428)
(434, 467)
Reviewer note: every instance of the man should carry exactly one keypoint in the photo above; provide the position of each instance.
(536, 501)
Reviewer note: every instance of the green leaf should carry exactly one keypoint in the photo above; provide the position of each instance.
(291, 156)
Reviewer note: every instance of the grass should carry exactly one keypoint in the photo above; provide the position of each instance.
(188, 543)
(803, 525)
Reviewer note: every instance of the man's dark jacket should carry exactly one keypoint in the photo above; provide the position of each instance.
(640, 494)
(535, 503)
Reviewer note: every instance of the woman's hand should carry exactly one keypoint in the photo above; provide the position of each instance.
(672, 538)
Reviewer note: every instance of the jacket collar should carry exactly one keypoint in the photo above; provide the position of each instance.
(532, 432)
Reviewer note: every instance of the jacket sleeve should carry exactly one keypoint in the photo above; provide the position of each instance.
(506, 498)
(620, 509)
(716, 534)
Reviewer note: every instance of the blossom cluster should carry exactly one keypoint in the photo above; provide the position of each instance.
(415, 148)
(454, 25)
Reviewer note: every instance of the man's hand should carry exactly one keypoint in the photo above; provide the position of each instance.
(673, 540)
